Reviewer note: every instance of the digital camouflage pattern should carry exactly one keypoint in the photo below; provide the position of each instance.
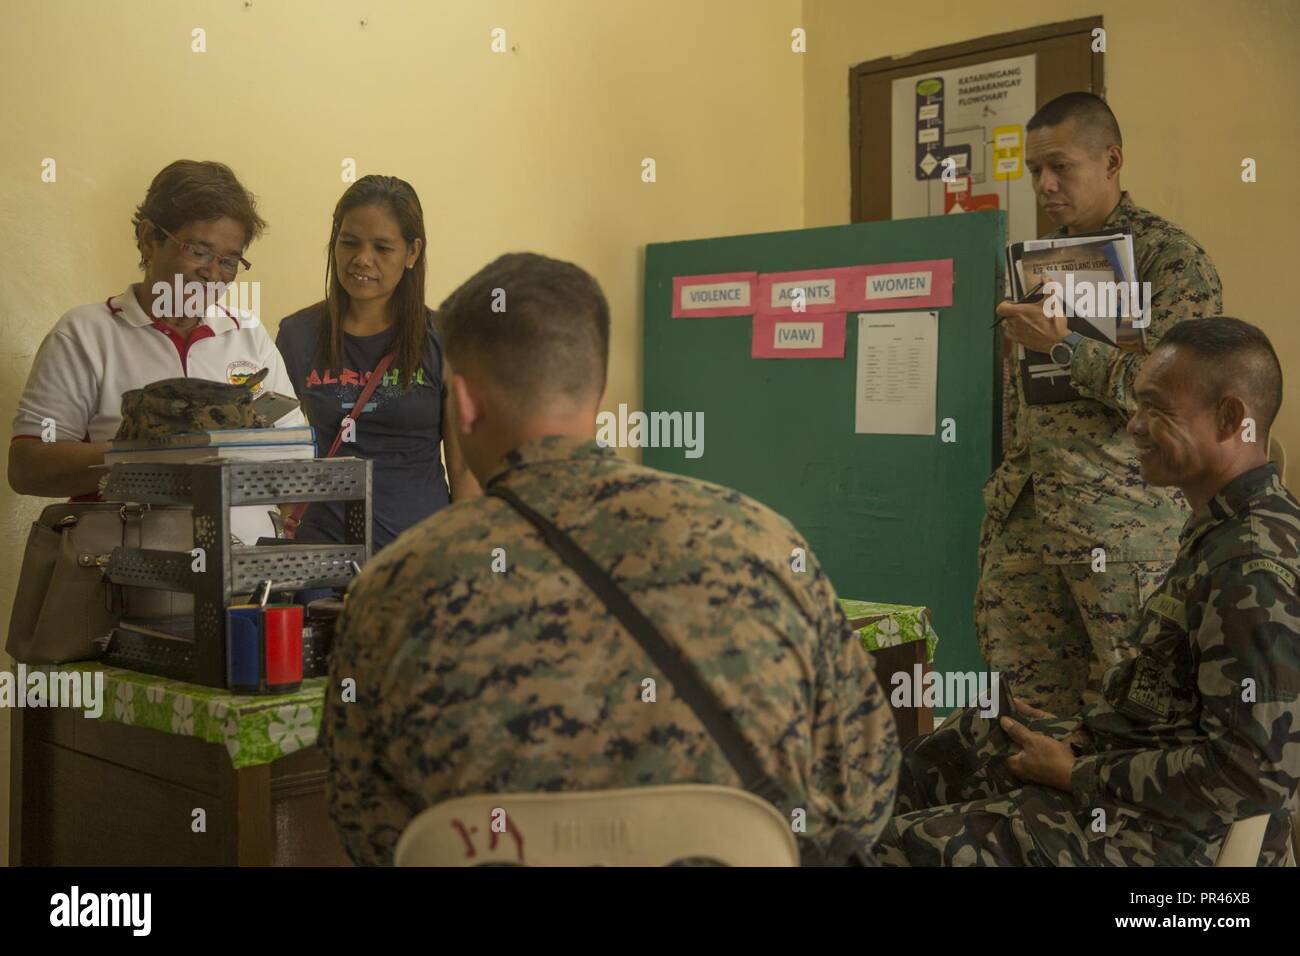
(1200, 729)
(1087, 486)
(1067, 623)
(470, 680)
(176, 406)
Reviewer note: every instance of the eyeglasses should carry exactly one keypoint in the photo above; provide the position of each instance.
(200, 256)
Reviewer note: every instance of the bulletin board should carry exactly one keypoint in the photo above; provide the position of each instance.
(891, 518)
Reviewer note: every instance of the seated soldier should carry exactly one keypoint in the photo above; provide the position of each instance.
(483, 664)
(1202, 728)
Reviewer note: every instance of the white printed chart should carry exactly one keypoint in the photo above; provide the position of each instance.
(897, 380)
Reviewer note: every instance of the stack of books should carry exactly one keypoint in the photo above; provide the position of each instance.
(1100, 296)
(249, 444)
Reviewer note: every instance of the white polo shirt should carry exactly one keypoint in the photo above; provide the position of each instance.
(96, 352)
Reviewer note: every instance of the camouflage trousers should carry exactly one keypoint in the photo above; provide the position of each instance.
(959, 805)
(1053, 630)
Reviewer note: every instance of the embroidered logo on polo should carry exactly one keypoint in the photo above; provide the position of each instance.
(240, 370)
(1265, 564)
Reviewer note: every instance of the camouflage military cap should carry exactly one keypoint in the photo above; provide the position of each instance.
(175, 406)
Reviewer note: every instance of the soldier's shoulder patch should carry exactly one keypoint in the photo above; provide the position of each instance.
(1148, 687)
(1170, 608)
(1281, 571)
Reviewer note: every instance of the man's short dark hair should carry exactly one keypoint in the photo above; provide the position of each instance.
(537, 326)
(1088, 110)
(1236, 357)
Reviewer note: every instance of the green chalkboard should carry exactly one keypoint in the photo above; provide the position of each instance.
(892, 518)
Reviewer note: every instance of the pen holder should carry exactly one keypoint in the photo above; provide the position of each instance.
(264, 648)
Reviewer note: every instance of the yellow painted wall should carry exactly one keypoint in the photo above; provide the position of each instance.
(538, 149)
(1197, 85)
(541, 148)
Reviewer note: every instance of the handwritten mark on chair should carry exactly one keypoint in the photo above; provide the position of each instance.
(510, 827)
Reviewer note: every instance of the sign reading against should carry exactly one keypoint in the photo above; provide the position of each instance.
(812, 290)
(787, 336)
(724, 293)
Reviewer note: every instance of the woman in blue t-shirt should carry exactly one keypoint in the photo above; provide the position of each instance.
(374, 305)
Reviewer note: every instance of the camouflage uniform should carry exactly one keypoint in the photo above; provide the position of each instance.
(1069, 483)
(470, 680)
(1200, 729)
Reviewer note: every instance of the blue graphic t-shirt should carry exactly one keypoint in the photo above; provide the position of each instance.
(400, 430)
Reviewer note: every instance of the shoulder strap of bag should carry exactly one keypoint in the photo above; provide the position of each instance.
(372, 383)
(843, 848)
(683, 677)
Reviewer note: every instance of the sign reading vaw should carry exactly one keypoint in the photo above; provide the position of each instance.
(780, 336)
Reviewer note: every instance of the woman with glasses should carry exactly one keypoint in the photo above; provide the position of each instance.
(191, 231)
(373, 321)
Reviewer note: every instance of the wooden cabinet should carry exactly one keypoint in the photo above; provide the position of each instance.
(91, 793)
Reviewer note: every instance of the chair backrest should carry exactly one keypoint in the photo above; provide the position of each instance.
(643, 826)
(1277, 455)
(1242, 844)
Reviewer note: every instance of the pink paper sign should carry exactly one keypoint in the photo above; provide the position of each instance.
(897, 286)
(784, 335)
(723, 293)
(816, 290)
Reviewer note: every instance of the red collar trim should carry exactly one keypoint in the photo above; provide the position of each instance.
(183, 346)
(200, 332)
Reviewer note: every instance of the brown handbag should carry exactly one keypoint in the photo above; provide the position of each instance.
(65, 608)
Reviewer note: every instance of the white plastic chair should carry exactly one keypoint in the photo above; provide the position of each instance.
(643, 826)
(1241, 845)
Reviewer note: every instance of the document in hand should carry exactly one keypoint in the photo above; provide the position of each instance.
(1099, 294)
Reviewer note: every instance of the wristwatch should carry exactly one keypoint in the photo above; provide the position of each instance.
(1062, 352)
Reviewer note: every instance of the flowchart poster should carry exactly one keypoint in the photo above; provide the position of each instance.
(958, 141)
(929, 127)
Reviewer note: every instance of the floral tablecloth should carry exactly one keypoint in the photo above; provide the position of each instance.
(254, 730)
(892, 624)
(259, 730)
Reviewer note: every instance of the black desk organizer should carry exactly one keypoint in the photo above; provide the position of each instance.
(212, 489)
